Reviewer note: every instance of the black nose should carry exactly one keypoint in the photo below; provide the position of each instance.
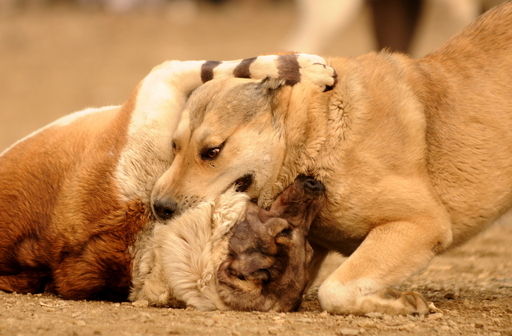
(164, 209)
(311, 185)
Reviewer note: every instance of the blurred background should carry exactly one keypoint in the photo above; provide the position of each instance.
(60, 56)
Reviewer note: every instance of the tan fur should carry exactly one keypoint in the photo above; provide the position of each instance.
(415, 155)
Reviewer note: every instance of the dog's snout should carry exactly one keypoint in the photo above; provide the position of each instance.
(311, 185)
(164, 208)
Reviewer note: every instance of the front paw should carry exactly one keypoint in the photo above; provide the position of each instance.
(359, 299)
(314, 69)
(394, 302)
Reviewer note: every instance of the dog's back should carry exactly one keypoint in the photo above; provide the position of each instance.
(453, 107)
(466, 92)
(52, 209)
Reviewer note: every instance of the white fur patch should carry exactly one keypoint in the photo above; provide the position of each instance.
(148, 151)
(184, 255)
(314, 69)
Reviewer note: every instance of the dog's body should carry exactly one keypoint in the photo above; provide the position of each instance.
(74, 196)
(416, 156)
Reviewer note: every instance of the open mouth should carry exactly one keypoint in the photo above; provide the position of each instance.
(243, 183)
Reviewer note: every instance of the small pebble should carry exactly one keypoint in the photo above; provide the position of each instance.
(366, 323)
(348, 331)
(274, 331)
(436, 316)
(449, 296)
(374, 315)
(141, 304)
(209, 322)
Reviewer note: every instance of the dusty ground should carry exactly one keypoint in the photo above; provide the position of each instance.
(55, 61)
(470, 286)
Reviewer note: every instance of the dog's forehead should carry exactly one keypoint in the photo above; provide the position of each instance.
(226, 101)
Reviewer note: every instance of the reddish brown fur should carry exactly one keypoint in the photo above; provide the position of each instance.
(62, 227)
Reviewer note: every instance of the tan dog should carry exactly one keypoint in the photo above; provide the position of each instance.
(74, 196)
(416, 156)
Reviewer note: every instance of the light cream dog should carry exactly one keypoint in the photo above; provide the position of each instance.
(416, 156)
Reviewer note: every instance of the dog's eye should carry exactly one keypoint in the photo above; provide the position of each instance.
(210, 153)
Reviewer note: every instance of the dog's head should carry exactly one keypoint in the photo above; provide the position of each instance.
(230, 254)
(229, 135)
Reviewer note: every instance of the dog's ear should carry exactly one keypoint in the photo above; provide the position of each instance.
(276, 92)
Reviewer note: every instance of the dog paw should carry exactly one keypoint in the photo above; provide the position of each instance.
(314, 69)
(394, 302)
(349, 299)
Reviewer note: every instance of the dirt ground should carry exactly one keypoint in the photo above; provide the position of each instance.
(61, 59)
(471, 287)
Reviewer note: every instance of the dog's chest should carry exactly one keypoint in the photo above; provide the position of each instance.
(343, 222)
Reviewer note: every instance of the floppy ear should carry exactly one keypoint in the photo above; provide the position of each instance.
(277, 92)
(292, 109)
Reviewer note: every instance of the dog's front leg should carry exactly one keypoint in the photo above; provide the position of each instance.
(172, 81)
(388, 256)
(160, 97)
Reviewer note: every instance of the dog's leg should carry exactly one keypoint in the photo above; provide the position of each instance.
(388, 256)
(168, 85)
(186, 76)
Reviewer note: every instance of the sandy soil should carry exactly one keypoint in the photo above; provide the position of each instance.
(57, 60)
(471, 287)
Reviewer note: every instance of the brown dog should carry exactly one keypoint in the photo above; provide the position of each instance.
(415, 155)
(74, 196)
